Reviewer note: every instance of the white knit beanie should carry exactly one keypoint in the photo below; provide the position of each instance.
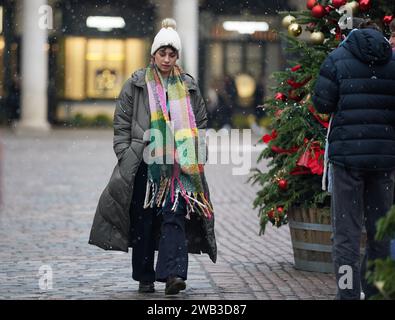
(167, 36)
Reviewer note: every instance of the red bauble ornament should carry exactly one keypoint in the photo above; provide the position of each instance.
(338, 3)
(280, 96)
(310, 4)
(365, 5)
(388, 19)
(269, 137)
(280, 210)
(318, 11)
(270, 214)
(283, 184)
(328, 9)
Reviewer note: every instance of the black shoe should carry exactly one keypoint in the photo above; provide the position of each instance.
(146, 287)
(174, 285)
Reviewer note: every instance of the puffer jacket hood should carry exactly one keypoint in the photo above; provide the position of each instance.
(369, 46)
(358, 88)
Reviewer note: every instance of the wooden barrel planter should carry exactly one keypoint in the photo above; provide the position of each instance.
(311, 233)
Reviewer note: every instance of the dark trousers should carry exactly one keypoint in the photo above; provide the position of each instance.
(172, 251)
(359, 197)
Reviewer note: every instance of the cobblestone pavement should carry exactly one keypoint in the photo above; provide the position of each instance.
(50, 188)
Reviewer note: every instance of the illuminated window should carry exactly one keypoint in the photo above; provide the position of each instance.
(97, 68)
(1, 19)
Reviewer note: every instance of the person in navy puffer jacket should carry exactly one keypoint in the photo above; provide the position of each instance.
(356, 84)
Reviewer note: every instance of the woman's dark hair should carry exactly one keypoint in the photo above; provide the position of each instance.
(392, 25)
(365, 24)
(167, 47)
(356, 22)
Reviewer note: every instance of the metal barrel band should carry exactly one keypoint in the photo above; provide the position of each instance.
(310, 226)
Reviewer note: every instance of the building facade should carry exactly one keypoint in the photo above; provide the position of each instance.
(92, 46)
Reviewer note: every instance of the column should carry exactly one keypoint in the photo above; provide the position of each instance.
(164, 9)
(186, 14)
(34, 70)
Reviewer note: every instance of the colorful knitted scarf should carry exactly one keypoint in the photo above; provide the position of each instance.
(174, 169)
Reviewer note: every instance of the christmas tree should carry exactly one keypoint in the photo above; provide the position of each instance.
(295, 146)
(383, 274)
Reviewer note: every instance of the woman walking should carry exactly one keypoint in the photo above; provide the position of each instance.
(158, 200)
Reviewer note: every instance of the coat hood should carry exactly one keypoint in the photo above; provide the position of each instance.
(369, 46)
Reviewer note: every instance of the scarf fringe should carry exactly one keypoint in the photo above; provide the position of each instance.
(196, 202)
(147, 202)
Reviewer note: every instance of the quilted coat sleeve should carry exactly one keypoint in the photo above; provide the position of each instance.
(326, 90)
(201, 122)
(201, 113)
(123, 120)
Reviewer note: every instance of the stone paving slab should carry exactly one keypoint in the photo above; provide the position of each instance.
(50, 188)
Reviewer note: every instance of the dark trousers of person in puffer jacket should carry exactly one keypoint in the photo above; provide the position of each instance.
(172, 253)
(359, 198)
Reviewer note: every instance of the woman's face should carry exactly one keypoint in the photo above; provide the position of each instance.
(392, 40)
(165, 59)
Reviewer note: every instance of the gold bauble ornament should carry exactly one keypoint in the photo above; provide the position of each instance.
(317, 37)
(353, 5)
(287, 20)
(294, 29)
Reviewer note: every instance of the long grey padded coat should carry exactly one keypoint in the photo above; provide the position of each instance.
(112, 222)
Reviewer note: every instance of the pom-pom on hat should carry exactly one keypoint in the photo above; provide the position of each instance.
(167, 36)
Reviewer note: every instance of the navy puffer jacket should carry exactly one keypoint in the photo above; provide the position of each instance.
(357, 84)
